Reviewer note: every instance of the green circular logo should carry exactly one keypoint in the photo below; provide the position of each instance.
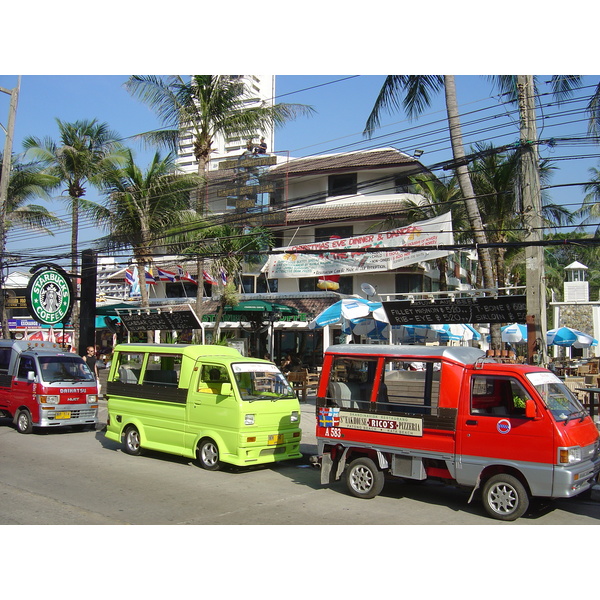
(49, 296)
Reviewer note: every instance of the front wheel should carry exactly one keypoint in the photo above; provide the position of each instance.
(505, 497)
(131, 441)
(23, 422)
(208, 455)
(364, 479)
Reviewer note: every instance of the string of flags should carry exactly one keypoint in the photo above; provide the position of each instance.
(179, 274)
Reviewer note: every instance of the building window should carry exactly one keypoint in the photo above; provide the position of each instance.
(323, 234)
(408, 283)
(342, 185)
(403, 185)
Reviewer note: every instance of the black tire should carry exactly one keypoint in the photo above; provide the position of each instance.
(23, 421)
(131, 441)
(207, 455)
(364, 479)
(505, 497)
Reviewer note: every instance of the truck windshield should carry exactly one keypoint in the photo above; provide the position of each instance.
(64, 368)
(559, 399)
(257, 381)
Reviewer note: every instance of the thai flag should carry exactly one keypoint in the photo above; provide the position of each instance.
(223, 276)
(187, 277)
(179, 272)
(129, 277)
(149, 278)
(164, 275)
(209, 278)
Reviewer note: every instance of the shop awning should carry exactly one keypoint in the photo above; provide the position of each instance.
(260, 306)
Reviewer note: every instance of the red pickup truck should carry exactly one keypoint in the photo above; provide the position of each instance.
(509, 432)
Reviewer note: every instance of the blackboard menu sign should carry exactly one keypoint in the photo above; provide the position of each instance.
(164, 320)
(504, 309)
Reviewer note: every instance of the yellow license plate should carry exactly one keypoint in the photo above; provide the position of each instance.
(276, 439)
(62, 415)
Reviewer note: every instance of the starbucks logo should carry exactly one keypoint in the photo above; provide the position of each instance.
(49, 296)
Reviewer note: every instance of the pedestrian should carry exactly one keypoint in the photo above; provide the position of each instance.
(91, 361)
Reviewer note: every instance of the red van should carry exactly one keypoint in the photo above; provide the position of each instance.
(509, 432)
(43, 385)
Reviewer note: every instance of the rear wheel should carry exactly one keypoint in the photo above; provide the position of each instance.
(23, 421)
(131, 441)
(505, 497)
(364, 479)
(208, 455)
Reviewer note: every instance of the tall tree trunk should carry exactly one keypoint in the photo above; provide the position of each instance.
(75, 272)
(201, 209)
(464, 181)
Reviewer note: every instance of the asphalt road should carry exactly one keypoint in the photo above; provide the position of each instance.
(65, 477)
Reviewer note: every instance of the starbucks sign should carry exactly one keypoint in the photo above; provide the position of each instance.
(49, 295)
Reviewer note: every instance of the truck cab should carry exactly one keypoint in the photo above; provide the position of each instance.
(43, 385)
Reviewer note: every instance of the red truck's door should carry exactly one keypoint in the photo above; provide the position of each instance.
(22, 388)
(493, 429)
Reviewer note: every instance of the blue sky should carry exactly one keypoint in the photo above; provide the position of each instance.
(342, 104)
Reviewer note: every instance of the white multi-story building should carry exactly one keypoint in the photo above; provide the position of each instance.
(259, 88)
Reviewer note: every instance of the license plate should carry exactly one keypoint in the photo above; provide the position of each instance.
(276, 439)
(62, 415)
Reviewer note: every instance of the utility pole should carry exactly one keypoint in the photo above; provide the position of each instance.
(532, 209)
(4, 180)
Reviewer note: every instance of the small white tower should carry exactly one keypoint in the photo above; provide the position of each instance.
(576, 287)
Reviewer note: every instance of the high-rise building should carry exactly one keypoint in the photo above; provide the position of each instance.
(259, 88)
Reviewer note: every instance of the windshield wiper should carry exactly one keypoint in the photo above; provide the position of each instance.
(574, 415)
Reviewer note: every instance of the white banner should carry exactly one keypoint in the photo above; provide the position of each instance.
(344, 256)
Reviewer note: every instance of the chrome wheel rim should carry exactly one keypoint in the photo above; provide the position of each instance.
(133, 440)
(503, 498)
(361, 479)
(209, 455)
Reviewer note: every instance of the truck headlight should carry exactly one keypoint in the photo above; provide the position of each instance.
(295, 417)
(569, 456)
(249, 420)
(49, 399)
(92, 398)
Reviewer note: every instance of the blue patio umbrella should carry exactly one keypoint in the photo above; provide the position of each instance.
(371, 327)
(565, 336)
(347, 308)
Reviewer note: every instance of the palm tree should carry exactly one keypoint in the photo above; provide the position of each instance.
(26, 183)
(495, 179)
(590, 208)
(86, 150)
(438, 198)
(143, 207)
(231, 247)
(417, 92)
(208, 106)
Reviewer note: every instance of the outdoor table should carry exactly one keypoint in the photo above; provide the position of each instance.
(593, 392)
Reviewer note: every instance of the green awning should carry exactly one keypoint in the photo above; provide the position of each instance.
(260, 306)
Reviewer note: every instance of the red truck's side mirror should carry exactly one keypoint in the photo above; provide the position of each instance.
(530, 409)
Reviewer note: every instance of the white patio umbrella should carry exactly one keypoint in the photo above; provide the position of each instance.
(514, 334)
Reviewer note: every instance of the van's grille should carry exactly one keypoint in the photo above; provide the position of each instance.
(89, 413)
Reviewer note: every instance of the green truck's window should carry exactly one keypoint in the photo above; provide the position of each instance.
(129, 366)
(163, 369)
